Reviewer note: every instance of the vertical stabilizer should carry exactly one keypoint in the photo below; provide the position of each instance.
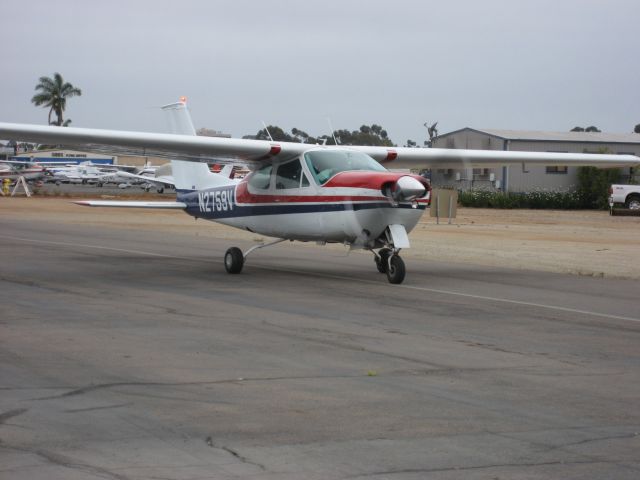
(179, 118)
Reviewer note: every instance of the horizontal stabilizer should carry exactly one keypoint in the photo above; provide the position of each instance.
(127, 204)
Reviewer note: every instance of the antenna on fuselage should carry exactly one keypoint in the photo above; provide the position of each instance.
(333, 134)
(267, 130)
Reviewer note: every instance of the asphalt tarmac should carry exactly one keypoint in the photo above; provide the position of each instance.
(132, 354)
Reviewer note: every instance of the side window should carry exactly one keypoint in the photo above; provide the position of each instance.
(261, 178)
(305, 181)
(289, 175)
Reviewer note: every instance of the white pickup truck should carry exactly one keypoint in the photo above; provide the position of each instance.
(629, 195)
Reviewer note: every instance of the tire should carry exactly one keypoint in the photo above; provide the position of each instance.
(383, 261)
(233, 260)
(396, 271)
(633, 202)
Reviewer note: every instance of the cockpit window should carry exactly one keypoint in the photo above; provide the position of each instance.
(261, 178)
(324, 164)
(288, 175)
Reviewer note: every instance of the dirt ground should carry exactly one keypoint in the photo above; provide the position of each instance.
(578, 242)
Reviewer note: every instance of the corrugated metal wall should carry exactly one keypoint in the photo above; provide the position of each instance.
(531, 179)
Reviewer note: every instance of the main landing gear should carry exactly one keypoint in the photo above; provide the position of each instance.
(388, 261)
(234, 258)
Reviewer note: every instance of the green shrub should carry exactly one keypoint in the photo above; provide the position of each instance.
(593, 186)
(536, 200)
(592, 193)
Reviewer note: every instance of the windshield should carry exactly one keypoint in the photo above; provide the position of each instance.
(324, 164)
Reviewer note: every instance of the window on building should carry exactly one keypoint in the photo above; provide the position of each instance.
(557, 170)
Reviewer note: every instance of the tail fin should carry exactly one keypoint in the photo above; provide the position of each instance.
(196, 176)
(179, 118)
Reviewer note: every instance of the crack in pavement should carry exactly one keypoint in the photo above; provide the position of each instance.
(67, 462)
(102, 386)
(240, 380)
(12, 413)
(91, 409)
(235, 453)
(473, 467)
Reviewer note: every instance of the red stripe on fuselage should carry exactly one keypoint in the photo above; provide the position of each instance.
(369, 180)
(352, 179)
(244, 196)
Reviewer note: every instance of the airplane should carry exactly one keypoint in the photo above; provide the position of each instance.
(84, 172)
(158, 177)
(14, 169)
(301, 192)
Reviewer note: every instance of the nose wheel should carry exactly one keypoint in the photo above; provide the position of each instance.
(388, 261)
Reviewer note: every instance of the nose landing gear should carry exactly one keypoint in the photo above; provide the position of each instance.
(389, 261)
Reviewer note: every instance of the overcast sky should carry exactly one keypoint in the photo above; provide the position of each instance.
(535, 65)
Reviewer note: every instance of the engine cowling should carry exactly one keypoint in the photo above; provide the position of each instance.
(405, 189)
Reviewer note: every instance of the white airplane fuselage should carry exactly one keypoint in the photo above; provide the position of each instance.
(350, 208)
(29, 173)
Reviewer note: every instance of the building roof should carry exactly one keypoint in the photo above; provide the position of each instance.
(538, 136)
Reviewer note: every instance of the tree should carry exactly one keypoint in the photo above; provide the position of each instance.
(367, 135)
(53, 93)
(588, 129)
(637, 129)
(277, 133)
(373, 135)
(593, 185)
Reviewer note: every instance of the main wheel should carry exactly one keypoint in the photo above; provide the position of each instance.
(396, 270)
(633, 203)
(233, 260)
(383, 260)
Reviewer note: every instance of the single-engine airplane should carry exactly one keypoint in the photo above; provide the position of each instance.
(14, 169)
(297, 191)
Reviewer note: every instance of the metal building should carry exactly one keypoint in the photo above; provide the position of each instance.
(64, 157)
(521, 179)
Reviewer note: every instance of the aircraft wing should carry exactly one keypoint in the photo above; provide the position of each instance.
(164, 145)
(255, 152)
(402, 157)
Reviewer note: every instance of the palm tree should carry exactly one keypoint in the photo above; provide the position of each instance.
(53, 93)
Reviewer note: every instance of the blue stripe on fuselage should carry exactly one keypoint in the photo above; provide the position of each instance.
(221, 203)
